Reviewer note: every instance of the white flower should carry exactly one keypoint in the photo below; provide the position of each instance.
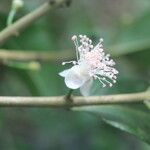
(92, 63)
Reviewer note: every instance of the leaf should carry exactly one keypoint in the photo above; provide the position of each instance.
(134, 120)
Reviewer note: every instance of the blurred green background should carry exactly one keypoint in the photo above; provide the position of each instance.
(125, 27)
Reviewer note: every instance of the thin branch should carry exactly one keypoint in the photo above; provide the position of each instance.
(34, 56)
(115, 51)
(60, 101)
(27, 20)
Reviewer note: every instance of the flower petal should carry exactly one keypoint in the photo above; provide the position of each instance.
(64, 73)
(74, 78)
(85, 88)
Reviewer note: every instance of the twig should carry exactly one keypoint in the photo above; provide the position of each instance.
(34, 56)
(60, 101)
(27, 20)
(32, 65)
(115, 51)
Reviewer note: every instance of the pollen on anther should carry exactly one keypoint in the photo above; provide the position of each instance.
(74, 37)
(101, 40)
(63, 63)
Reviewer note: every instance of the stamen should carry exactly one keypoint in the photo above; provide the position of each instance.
(91, 46)
(74, 38)
(80, 36)
(68, 62)
(90, 41)
(110, 84)
(101, 40)
(100, 80)
(100, 64)
(114, 81)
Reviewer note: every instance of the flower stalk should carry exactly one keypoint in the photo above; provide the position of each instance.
(68, 96)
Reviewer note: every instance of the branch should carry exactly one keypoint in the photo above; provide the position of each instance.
(34, 56)
(61, 101)
(24, 22)
(115, 51)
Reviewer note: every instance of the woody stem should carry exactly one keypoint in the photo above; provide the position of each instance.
(61, 101)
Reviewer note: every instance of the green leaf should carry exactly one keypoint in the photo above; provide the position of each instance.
(134, 120)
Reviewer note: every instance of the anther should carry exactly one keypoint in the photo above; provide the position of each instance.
(74, 38)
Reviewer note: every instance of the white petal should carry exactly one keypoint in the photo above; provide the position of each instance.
(74, 78)
(85, 88)
(64, 73)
